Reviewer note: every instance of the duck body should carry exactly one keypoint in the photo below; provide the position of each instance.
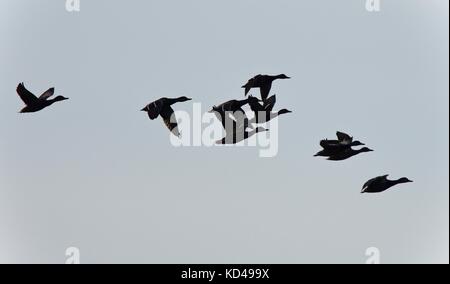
(382, 184)
(347, 154)
(163, 108)
(264, 83)
(35, 104)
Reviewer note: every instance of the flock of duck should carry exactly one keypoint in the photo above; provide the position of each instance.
(237, 125)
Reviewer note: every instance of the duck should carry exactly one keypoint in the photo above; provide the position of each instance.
(382, 183)
(342, 146)
(163, 108)
(35, 104)
(264, 83)
(264, 112)
(348, 153)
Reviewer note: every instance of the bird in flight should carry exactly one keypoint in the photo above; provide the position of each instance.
(163, 108)
(341, 149)
(382, 183)
(35, 104)
(264, 83)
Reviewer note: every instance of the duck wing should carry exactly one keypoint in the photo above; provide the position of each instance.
(27, 97)
(250, 84)
(170, 120)
(247, 89)
(154, 109)
(344, 137)
(49, 93)
(327, 144)
(265, 90)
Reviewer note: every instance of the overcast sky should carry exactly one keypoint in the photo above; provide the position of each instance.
(95, 173)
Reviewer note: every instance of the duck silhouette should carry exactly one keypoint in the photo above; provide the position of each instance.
(340, 149)
(35, 104)
(264, 83)
(382, 183)
(264, 112)
(163, 108)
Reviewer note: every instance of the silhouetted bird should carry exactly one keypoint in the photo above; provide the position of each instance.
(341, 148)
(348, 153)
(163, 108)
(264, 112)
(33, 103)
(381, 184)
(264, 83)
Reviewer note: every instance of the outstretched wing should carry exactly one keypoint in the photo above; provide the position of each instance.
(247, 89)
(269, 104)
(170, 120)
(343, 137)
(50, 92)
(265, 91)
(154, 109)
(27, 97)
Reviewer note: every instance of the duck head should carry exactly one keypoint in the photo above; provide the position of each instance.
(404, 180)
(284, 111)
(283, 76)
(60, 98)
(358, 143)
(184, 99)
(365, 150)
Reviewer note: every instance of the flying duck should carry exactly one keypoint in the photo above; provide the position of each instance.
(163, 108)
(33, 103)
(341, 148)
(264, 83)
(381, 184)
(264, 112)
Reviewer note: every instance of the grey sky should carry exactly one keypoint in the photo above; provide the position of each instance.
(95, 173)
